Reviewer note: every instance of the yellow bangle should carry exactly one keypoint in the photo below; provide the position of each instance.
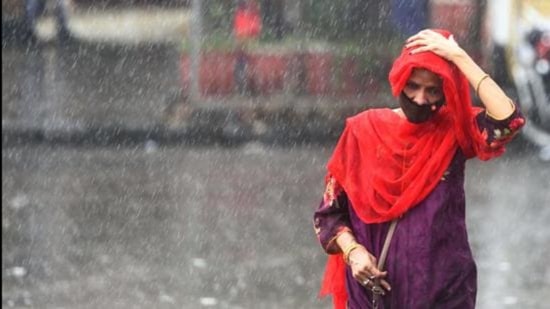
(347, 250)
(479, 83)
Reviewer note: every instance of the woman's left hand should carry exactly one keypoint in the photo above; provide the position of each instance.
(429, 40)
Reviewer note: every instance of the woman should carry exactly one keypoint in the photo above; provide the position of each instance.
(407, 165)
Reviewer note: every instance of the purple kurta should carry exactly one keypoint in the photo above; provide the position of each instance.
(429, 263)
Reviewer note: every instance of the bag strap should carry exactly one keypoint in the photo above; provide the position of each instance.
(385, 249)
(377, 290)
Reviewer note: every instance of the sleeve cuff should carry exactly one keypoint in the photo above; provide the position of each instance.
(495, 119)
(332, 246)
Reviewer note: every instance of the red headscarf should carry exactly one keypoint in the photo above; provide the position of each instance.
(387, 165)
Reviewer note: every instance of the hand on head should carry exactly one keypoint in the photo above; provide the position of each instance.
(430, 40)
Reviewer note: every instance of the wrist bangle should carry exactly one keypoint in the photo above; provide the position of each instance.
(347, 250)
(479, 83)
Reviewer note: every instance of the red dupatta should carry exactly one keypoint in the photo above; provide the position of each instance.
(387, 165)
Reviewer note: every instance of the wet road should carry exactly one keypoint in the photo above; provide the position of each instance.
(87, 85)
(160, 228)
(148, 227)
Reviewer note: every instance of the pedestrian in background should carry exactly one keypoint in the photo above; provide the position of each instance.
(247, 27)
(393, 213)
(36, 8)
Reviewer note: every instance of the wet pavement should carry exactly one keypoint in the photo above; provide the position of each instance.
(160, 228)
(146, 224)
(87, 85)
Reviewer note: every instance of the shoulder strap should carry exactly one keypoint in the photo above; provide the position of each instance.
(377, 290)
(384, 254)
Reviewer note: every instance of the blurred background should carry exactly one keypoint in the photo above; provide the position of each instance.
(170, 154)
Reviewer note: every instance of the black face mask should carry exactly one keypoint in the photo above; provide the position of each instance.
(418, 113)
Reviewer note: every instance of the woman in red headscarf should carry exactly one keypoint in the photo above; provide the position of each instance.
(407, 165)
